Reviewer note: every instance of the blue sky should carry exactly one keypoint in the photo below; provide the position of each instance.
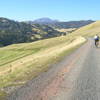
(64, 10)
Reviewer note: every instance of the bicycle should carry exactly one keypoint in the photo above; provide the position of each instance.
(97, 43)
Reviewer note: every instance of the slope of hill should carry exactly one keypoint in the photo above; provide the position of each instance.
(19, 32)
(44, 31)
(89, 30)
(13, 32)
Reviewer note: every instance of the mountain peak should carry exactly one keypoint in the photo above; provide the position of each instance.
(44, 20)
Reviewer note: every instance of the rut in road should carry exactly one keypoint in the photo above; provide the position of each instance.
(83, 81)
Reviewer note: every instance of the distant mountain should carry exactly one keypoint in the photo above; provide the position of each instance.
(58, 24)
(19, 32)
(45, 21)
(71, 24)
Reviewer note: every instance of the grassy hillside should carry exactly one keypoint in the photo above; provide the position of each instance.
(89, 30)
(21, 62)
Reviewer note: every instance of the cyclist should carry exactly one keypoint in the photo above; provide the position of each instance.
(96, 38)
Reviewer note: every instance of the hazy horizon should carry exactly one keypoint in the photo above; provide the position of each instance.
(49, 18)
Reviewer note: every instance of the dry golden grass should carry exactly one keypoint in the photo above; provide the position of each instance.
(89, 30)
(66, 30)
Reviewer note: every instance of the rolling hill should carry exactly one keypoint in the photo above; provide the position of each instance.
(19, 32)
